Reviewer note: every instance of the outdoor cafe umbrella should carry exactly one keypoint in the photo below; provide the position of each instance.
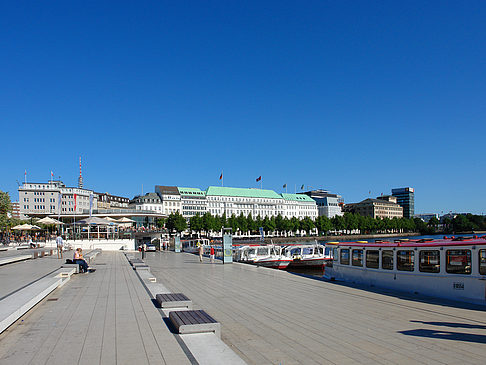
(96, 221)
(26, 227)
(125, 220)
(49, 220)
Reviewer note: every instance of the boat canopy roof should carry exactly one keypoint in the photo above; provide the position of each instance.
(460, 241)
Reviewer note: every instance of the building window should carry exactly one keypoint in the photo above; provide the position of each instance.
(405, 260)
(429, 261)
(458, 261)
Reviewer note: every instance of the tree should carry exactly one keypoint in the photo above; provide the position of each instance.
(5, 209)
(196, 223)
(242, 223)
(269, 225)
(323, 224)
(338, 223)
(176, 222)
(307, 225)
(433, 223)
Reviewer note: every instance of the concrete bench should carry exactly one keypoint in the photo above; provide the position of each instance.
(9, 260)
(18, 303)
(71, 266)
(194, 321)
(140, 266)
(92, 255)
(173, 300)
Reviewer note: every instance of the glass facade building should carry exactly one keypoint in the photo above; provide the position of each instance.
(406, 199)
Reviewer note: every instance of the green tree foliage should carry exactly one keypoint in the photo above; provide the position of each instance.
(176, 222)
(5, 208)
(196, 223)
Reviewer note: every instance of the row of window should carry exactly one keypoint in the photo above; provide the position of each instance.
(457, 261)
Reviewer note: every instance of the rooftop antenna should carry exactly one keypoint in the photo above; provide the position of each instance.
(80, 178)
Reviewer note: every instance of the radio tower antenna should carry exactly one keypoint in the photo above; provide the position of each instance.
(80, 178)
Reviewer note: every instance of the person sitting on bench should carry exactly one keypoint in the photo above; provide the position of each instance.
(78, 259)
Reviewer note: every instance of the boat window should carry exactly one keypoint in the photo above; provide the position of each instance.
(344, 258)
(357, 259)
(405, 260)
(295, 251)
(262, 251)
(327, 251)
(429, 261)
(372, 259)
(251, 251)
(458, 261)
(482, 262)
(307, 251)
(387, 260)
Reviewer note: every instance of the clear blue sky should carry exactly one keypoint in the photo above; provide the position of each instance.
(343, 95)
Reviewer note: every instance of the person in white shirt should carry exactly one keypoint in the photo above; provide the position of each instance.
(60, 246)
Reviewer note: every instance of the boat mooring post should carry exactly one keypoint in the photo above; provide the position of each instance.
(227, 246)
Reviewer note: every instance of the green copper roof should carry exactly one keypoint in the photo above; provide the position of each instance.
(242, 192)
(190, 191)
(297, 197)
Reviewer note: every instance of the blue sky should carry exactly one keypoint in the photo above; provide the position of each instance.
(350, 96)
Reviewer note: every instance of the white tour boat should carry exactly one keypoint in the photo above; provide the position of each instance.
(192, 245)
(264, 255)
(453, 268)
(308, 256)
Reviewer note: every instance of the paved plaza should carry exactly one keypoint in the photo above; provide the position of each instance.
(267, 317)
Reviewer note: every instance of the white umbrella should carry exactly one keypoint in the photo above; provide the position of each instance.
(110, 219)
(125, 220)
(25, 227)
(49, 220)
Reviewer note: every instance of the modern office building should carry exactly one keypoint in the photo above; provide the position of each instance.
(53, 197)
(406, 199)
(376, 208)
(328, 205)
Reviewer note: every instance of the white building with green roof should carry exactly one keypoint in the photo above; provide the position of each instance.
(219, 200)
(193, 201)
(300, 206)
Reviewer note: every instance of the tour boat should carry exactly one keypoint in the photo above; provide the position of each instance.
(450, 268)
(265, 255)
(192, 245)
(308, 256)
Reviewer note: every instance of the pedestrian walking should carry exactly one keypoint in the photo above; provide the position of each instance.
(211, 254)
(60, 246)
(201, 249)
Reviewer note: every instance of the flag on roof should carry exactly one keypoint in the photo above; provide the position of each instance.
(302, 187)
(221, 177)
(284, 186)
(259, 178)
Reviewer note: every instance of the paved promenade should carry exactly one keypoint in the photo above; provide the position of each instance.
(274, 317)
(101, 318)
(267, 317)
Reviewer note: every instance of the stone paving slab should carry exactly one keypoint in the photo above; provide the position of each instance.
(16, 275)
(105, 317)
(270, 317)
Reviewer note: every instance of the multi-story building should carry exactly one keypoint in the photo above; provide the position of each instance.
(170, 199)
(257, 202)
(299, 206)
(147, 202)
(375, 208)
(328, 205)
(193, 201)
(427, 217)
(53, 197)
(406, 199)
(108, 201)
(15, 210)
